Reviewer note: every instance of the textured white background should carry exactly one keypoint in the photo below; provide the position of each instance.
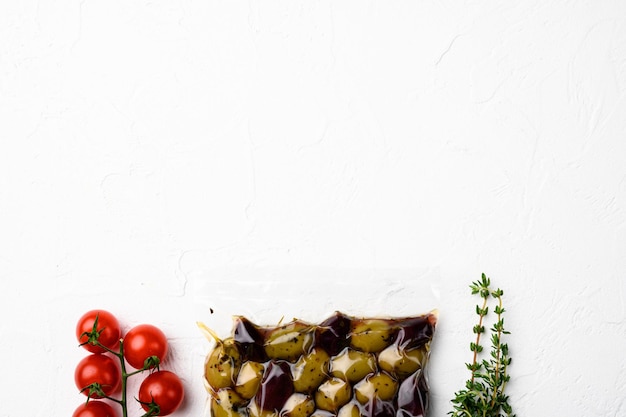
(160, 158)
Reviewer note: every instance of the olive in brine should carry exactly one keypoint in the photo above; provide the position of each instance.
(415, 332)
(276, 386)
(310, 370)
(322, 413)
(350, 409)
(253, 410)
(249, 338)
(352, 365)
(298, 405)
(401, 362)
(380, 408)
(249, 379)
(379, 386)
(290, 341)
(226, 403)
(333, 334)
(332, 394)
(222, 365)
(371, 335)
(412, 397)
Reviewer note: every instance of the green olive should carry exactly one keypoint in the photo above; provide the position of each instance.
(352, 365)
(225, 403)
(380, 386)
(332, 394)
(290, 341)
(350, 409)
(322, 413)
(298, 405)
(222, 365)
(310, 370)
(249, 379)
(255, 411)
(401, 362)
(370, 335)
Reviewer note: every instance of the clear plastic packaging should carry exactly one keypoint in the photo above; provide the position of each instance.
(320, 343)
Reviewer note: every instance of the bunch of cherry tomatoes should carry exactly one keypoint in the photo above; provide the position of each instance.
(102, 373)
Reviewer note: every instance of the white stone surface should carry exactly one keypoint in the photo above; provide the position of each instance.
(159, 159)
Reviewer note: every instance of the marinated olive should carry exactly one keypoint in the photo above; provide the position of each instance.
(399, 361)
(333, 334)
(350, 409)
(310, 370)
(276, 386)
(289, 341)
(380, 408)
(413, 396)
(332, 394)
(222, 365)
(380, 386)
(371, 335)
(249, 379)
(322, 413)
(352, 365)
(298, 405)
(250, 340)
(255, 411)
(226, 403)
(414, 332)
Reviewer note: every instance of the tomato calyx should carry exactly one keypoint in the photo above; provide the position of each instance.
(93, 336)
(94, 391)
(151, 362)
(98, 331)
(152, 408)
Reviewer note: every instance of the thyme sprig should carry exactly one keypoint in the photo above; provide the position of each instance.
(484, 393)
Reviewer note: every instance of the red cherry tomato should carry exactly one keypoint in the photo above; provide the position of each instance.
(108, 328)
(94, 409)
(100, 369)
(164, 389)
(142, 342)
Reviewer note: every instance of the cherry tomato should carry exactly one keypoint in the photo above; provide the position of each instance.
(94, 409)
(142, 342)
(100, 369)
(108, 328)
(165, 389)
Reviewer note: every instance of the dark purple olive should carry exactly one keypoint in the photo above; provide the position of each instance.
(413, 396)
(333, 334)
(276, 386)
(414, 332)
(249, 340)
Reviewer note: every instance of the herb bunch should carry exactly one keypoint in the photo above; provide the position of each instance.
(484, 394)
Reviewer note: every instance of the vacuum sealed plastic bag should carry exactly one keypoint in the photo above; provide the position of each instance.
(343, 365)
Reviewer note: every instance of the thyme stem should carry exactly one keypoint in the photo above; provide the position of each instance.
(497, 347)
(479, 331)
(484, 393)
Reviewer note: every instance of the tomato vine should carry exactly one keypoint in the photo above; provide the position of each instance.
(144, 347)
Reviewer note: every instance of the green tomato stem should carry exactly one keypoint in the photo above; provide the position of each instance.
(93, 336)
(125, 375)
(124, 378)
